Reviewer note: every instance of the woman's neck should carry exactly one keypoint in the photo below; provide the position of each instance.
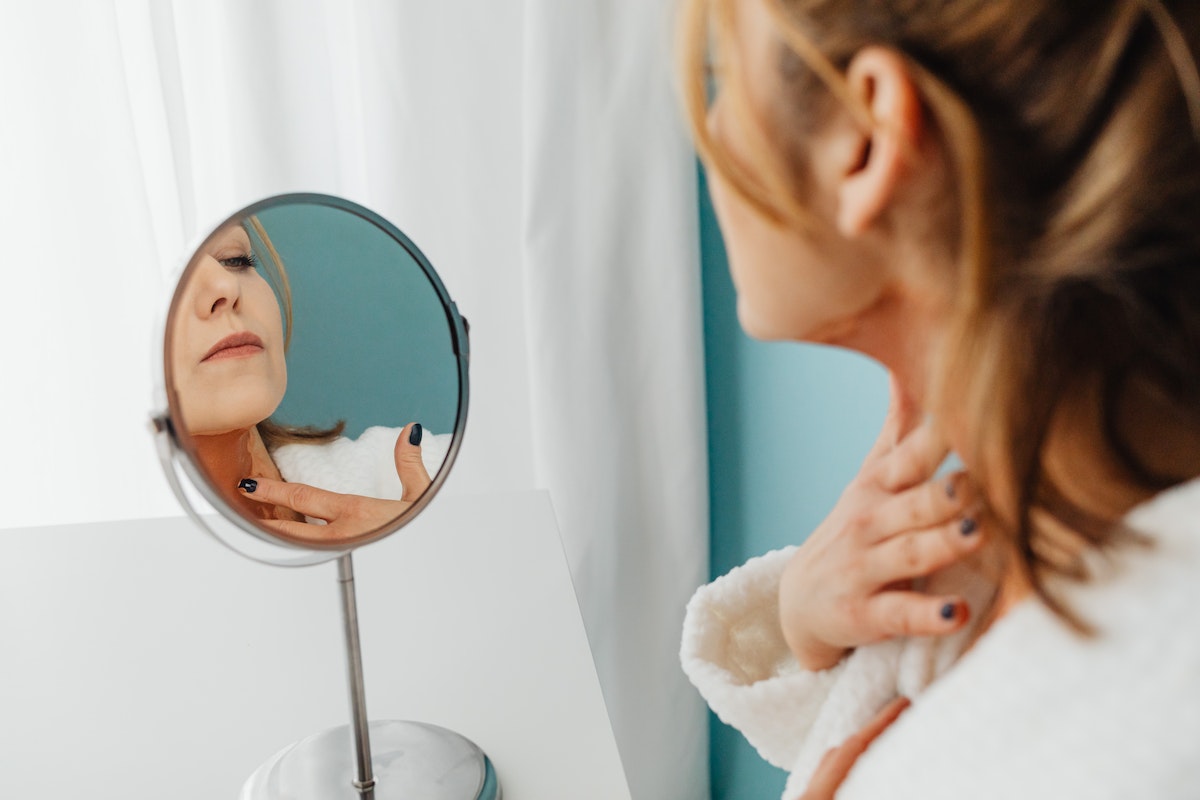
(902, 331)
(230, 457)
(1013, 588)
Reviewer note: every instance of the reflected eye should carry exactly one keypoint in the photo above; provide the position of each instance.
(240, 263)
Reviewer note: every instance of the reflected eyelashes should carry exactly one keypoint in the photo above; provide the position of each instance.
(240, 263)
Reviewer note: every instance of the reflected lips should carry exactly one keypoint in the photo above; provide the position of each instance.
(236, 345)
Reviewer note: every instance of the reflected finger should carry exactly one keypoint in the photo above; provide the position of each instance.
(308, 500)
(410, 465)
(303, 530)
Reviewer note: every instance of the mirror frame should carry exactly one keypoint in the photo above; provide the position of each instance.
(177, 456)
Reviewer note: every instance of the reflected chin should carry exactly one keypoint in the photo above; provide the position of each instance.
(229, 412)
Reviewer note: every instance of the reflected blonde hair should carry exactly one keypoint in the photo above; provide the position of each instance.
(1070, 129)
(274, 433)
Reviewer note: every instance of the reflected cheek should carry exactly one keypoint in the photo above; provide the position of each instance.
(181, 363)
(183, 337)
(279, 373)
(278, 360)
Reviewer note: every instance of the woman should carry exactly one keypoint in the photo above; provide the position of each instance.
(999, 201)
(229, 375)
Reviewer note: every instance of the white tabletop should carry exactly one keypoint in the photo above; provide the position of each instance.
(141, 659)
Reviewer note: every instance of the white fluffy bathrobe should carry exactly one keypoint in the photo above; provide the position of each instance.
(1030, 711)
(364, 466)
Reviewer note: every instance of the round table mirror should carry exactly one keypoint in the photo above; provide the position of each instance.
(314, 395)
(315, 375)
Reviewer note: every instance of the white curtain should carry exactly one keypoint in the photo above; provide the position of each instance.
(534, 152)
(616, 359)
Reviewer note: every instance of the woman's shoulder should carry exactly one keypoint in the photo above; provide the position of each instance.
(1171, 514)
(1141, 592)
(1035, 709)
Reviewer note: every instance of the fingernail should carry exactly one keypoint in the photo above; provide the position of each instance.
(968, 526)
(951, 492)
(249, 484)
(414, 435)
(948, 611)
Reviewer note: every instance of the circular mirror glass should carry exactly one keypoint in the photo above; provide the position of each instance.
(315, 373)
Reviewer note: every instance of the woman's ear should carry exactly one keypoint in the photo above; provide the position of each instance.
(879, 157)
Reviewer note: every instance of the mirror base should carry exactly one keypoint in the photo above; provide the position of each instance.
(409, 759)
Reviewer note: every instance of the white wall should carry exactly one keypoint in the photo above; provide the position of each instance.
(91, 228)
(89, 238)
(131, 126)
(179, 671)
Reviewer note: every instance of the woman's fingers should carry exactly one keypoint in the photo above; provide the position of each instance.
(409, 464)
(836, 764)
(915, 554)
(923, 506)
(913, 461)
(902, 418)
(890, 614)
(346, 514)
(830, 773)
(879, 723)
(307, 530)
(308, 500)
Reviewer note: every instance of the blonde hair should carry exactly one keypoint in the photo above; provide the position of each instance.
(1071, 131)
(274, 433)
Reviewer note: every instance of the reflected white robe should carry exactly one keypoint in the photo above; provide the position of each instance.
(364, 466)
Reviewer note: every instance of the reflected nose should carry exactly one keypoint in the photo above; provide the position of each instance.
(216, 288)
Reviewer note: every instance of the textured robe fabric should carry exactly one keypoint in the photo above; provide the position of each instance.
(1031, 710)
(364, 466)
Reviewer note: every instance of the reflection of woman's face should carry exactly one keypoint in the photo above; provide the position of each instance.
(227, 340)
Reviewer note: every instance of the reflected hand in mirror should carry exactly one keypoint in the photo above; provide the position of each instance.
(228, 370)
(342, 515)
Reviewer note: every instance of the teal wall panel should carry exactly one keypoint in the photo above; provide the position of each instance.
(788, 426)
(371, 344)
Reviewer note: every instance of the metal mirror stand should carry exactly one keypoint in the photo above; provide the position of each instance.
(416, 760)
(411, 759)
(365, 778)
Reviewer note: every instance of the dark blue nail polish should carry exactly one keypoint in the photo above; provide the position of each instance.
(249, 484)
(948, 611)
(968, 526)
(414, 435)
(951, 492)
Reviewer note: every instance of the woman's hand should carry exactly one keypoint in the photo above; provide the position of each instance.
(836, 764)
(345, 515)
(850, 583)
